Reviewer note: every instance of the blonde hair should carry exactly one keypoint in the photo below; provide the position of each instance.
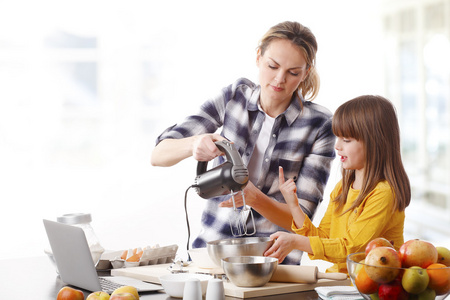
(305, 40)
(373, 121)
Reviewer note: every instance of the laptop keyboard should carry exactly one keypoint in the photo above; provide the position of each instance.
(108, 285)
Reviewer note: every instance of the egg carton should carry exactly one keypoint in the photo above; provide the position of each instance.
(150, 256)
(158, 255)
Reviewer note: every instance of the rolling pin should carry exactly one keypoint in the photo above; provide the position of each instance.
(303, 274)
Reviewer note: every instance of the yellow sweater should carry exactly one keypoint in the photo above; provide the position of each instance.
(340, 235)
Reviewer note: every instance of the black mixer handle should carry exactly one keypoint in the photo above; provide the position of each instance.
(230, 151)
(230, 176)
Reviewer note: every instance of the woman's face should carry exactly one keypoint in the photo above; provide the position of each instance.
(281, 69)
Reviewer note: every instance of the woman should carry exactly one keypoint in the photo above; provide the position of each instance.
(371, 198)
(270, 124)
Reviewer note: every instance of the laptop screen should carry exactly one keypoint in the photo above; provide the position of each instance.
(72, 255)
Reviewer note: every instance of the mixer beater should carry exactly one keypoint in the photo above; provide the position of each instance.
(241, 217)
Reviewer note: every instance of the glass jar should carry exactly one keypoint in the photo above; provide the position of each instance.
(84, 221)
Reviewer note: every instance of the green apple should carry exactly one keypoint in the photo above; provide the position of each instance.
(443, 256)
(374, 296)
(98, 296)
(428, 294)
(415, 280)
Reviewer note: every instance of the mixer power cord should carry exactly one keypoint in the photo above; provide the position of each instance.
(187, 217)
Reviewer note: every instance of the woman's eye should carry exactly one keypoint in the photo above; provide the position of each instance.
(276, 68)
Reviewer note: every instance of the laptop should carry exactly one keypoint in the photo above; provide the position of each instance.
(75, 265)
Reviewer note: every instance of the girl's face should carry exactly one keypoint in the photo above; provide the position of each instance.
(351, 152)
(281, 70)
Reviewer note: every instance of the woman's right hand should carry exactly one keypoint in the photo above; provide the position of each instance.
(204, 147)
(171, 151)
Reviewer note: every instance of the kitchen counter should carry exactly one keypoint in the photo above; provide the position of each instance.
(36, 278)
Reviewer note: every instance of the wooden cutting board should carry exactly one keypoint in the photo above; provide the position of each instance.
(153, 272)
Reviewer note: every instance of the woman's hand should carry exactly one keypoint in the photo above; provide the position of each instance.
(283, 244)
(251, 193)
(203, 147)
(171, 151)
(288, 189)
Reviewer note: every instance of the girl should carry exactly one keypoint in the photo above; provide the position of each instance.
(371, 198)
(271, 124)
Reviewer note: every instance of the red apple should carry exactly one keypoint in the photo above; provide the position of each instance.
(378, 259)
(392, 291)
(418, 253)
(98, 296)
(123, 296)
(378, 242)
(68, 293)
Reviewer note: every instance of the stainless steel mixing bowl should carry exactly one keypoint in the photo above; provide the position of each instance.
(249, 271)
(246, 246)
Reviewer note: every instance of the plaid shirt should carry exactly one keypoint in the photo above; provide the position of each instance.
(302, 143)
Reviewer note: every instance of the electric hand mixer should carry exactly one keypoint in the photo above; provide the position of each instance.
(227, 178)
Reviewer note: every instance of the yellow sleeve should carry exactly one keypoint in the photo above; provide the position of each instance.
(308, 228)
(368, 221)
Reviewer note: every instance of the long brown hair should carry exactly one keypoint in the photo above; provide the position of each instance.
(373, 121)
(304, 39)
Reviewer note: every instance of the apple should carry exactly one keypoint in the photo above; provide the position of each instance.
(123, 296)
(378, 242)
(428, 294)
(376, 262)
(415, 280)
(392, 291)
(126, 289)
(98, 296)
(443, 256)
(419, 253)
(68, 293)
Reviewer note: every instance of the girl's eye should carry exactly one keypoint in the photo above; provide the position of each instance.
(294, 74)
(272, 67)
(346, 140)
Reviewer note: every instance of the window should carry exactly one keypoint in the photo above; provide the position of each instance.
(418, 42)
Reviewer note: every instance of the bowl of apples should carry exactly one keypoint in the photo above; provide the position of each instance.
(418, 270)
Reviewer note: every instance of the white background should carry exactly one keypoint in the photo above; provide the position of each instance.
(200, 47)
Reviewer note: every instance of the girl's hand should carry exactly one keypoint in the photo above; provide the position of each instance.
(288, 189)
(203, 147)
(283, 245)
(251, 194)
